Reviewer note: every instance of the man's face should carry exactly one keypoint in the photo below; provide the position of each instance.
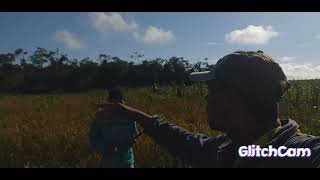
(218, 106)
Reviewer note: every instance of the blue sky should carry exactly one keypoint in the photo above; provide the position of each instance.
(293, 39)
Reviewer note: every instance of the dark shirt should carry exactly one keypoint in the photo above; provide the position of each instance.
(199, 150)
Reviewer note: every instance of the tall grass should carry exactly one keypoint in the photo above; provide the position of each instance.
(51, 130)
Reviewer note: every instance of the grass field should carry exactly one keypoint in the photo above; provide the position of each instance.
(51, 130)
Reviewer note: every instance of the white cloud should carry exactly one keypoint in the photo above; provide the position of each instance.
(214, 43)
(154, 35)
(286, 59)
(251, 35)
(69, 40)
(301, 71)
(102, 22)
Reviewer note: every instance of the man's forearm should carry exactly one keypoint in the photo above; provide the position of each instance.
(188, 146)
(181, 143)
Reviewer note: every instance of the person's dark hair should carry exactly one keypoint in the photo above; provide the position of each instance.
(116, 93)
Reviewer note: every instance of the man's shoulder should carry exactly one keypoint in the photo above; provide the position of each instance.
(100, 115)
(107, 117)
(104, 115)
(291, 135)
(300, 139)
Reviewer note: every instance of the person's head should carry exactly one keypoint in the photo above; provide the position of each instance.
(244, 89)
(115, 95)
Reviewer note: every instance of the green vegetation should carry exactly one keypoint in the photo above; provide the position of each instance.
(51, 130)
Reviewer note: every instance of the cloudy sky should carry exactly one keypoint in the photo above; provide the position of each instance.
(293, 39)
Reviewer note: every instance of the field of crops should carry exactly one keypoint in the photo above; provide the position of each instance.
(51, 130)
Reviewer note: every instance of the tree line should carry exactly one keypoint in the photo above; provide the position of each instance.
(47, 71)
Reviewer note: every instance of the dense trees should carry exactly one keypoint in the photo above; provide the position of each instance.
(47, 71)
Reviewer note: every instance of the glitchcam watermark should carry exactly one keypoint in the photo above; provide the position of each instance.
(282, 151)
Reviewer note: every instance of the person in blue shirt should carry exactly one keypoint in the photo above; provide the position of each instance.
(113, 136)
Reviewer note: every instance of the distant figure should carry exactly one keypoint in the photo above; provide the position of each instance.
(180, 91)
(155, 88)
(112, 136)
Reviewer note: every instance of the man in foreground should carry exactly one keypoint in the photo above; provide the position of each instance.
(244, 90)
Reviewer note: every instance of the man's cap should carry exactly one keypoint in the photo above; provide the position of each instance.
(254, 74)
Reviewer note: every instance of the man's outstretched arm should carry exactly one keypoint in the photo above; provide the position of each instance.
(197, 150)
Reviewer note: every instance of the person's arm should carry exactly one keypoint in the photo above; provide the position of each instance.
(196, 149)
(135, 130)
(95, 137)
